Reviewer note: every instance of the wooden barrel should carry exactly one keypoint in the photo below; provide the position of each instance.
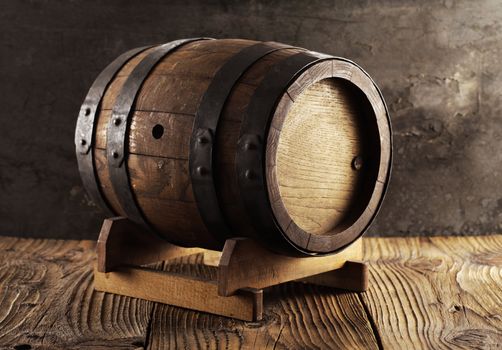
(200, 140)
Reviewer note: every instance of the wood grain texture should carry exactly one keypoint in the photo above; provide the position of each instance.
(132, 63)
(320, 137)
(321, 204)
(160, 180)
(105, 183)
(123, 248)
(180, 290)
(297, 316)
(227, 137)
(239, 267)
(238, 291)
(202, 59)
(173, 142)
(436, 293)
(158, 165)
(352, 276)
(122, 243)
(164, 192)
(313, 227)
(47, 300)
(431, 293)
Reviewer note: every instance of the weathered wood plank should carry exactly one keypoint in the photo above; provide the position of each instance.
(296, 316)
(424, 293)
(436, 293)
(47, 300)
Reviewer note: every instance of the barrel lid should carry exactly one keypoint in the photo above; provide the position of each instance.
(328, 156)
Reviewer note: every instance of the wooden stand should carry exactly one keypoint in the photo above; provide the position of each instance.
(244, 270)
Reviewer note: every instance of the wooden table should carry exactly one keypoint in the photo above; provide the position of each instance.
(434, 293)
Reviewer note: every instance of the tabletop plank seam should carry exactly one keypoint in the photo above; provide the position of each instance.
(371, 321)
(149, 327)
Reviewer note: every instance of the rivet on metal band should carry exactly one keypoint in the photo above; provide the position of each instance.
(118, 128)
(204, 133)
(86, 126)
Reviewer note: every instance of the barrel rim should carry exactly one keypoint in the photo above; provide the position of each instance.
(329, 242)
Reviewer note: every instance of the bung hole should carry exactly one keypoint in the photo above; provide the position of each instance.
(157, 131)
(22, 347)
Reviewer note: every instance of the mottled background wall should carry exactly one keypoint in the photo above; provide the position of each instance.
(438, 63)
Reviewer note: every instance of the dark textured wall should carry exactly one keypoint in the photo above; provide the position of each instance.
(437, 62)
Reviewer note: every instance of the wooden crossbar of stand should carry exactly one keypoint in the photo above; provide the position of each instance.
(244, 269)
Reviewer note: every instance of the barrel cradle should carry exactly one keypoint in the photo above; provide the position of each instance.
(201, 140)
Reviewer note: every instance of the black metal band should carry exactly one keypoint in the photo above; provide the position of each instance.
(85, 129)
(118, 128)
(204, 134)
(250, 155)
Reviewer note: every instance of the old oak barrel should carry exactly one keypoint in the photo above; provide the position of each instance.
(199, 140)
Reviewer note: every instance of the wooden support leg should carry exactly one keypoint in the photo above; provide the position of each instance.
(245, 263)
(244, 269)
(352, 276)
(121, 242)
(181, 290)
